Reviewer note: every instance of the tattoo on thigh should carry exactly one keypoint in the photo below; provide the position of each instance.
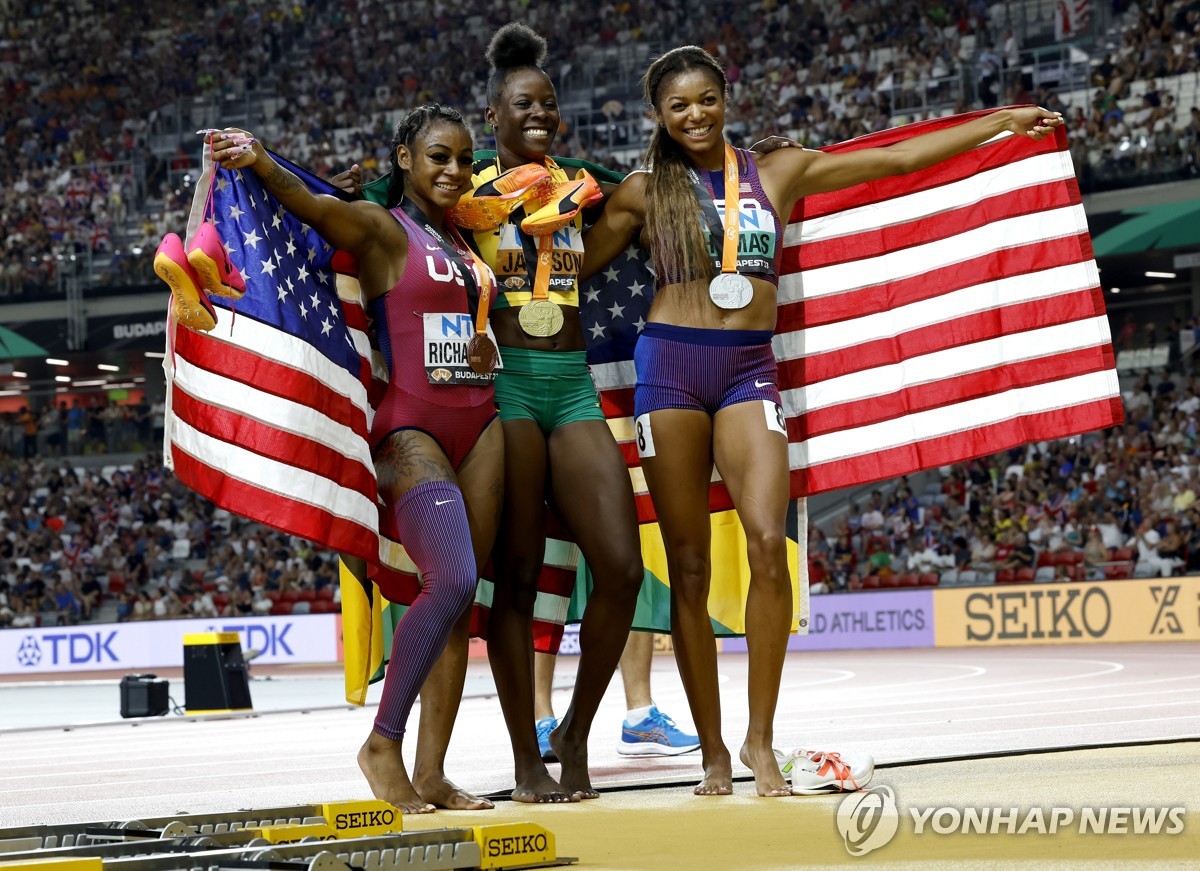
(401, 461)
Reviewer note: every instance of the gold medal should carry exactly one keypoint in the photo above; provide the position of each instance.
(540, 317)
(482, 354)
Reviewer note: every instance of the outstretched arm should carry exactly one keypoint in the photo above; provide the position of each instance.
(349, 226)
(803, 172)
(620, 221)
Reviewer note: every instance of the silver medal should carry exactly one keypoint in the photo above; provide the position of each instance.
(729, 290)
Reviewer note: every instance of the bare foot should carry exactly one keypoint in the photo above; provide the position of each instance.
(718, 775)
(768, 779)
(381, 762)
(536, 786)
(574, 778)
(436, 789)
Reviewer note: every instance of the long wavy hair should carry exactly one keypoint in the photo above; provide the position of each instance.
(406, 134)
(680, 246)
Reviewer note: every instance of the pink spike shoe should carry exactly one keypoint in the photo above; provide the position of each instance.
(208, 257)
(189, 302)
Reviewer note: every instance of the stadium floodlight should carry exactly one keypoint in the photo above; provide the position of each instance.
(1115, 289)
(63, 378)
(1160, 275)
(54, 361)
(99, 382)
(16, 374)
(108, 367)
(156, 354)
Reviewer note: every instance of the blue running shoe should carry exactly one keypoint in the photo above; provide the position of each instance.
(544, 727)
(657, 735)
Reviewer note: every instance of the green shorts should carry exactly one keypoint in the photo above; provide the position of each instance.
(551, 388)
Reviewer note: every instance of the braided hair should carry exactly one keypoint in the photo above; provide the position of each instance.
(407, 132)
(513, 47)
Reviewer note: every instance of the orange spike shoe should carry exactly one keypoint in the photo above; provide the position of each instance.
(568, 199)
(208, 257)
(489, 205)
(189, 302)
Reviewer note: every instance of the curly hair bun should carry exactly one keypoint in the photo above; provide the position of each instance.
(516, 45)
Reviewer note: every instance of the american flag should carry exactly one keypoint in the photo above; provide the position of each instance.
(923, 319)
(268, 414)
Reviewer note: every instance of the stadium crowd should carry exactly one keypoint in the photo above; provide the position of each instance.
(76, 180)
(1116, 504)
(133, 543)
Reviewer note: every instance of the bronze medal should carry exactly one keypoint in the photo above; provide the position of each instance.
(540, 317)
(482, 354)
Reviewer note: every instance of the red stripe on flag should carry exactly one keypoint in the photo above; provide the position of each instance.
(956, 448)
(878, 241)
(298, 518)
(265, 440)
(964, 330)
(617, 402)
(993, 266)
(980, 159)
(924, 397)
(247, 367)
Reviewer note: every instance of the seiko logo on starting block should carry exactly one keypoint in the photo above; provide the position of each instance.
(294, 833)
(510, 844)
(357, 819)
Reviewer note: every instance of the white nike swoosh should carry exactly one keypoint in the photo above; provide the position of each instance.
(444, 502)
(429, 247)
(761, 384)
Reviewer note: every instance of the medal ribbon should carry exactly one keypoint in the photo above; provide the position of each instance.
(537, 260)
(483, 277)
(477, 278)
(729, 232)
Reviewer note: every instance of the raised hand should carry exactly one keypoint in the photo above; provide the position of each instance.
(1034, 121)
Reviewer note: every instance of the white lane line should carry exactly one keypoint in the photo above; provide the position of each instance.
(1096, 737)
(1111, 668)
(875, 704)
(1025, 715)
(1042, 708)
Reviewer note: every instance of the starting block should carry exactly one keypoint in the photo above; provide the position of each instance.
(336, 836)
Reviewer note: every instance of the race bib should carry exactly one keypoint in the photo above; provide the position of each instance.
(446, 336)
(757, 233)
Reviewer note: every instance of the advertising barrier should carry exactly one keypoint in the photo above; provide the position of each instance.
(309, 638)
(862, 621)
(1162, 609)
(1166, 609)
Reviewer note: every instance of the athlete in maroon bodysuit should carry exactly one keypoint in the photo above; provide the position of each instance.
(438, 452)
